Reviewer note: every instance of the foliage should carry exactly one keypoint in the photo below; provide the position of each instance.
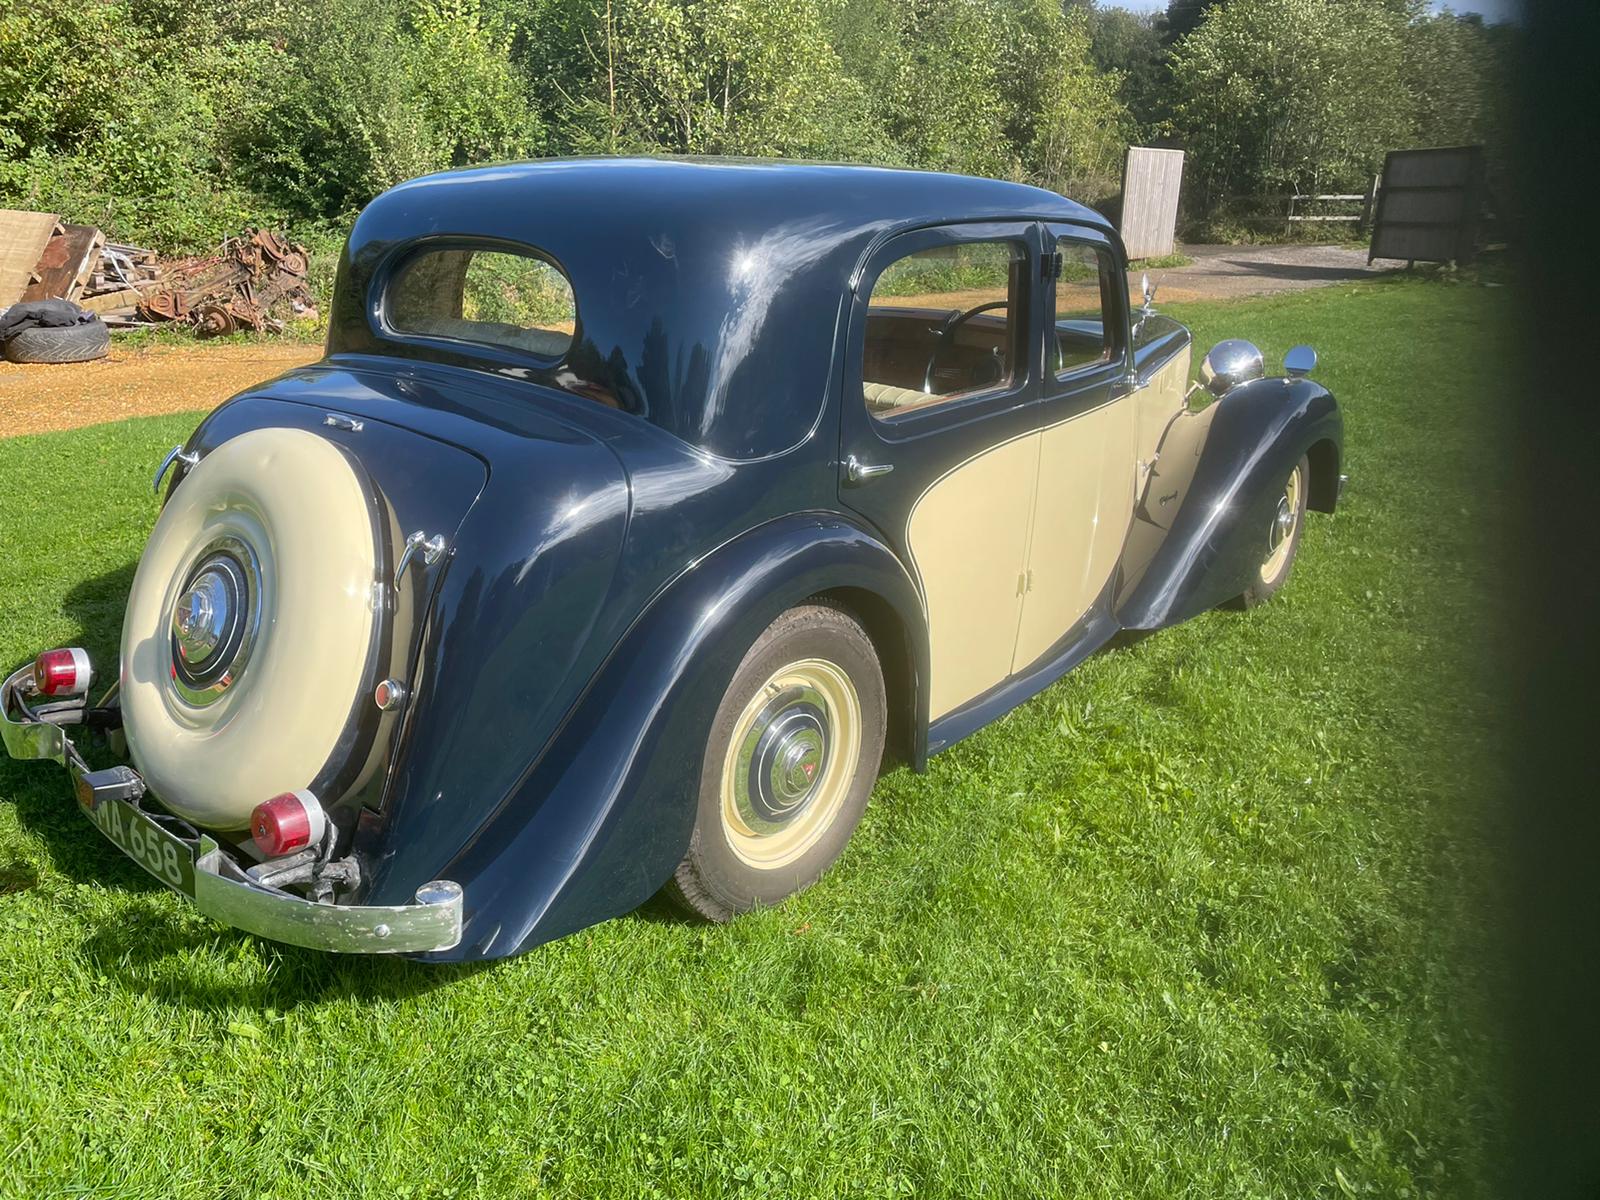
(176, 122)
(371, 92)
(1210, 917)
(1289, 95)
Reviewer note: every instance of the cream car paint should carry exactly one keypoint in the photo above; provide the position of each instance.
(295, 500)
(1013, 545)
(1083, 502)
(968, 536)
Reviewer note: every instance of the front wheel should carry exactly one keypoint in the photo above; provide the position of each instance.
(793, 752)
(1282, 538)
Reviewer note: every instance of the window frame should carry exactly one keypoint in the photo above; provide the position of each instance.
(962, 406)
(1110, 315)
(393, 271)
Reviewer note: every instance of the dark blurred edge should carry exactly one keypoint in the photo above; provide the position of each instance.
(1552, 813)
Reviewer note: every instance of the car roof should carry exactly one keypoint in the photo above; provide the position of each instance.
(701, 283)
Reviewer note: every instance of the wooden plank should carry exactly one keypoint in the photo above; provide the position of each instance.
(66, 262)
(1151, 181)
(23, 238)
(106, 301)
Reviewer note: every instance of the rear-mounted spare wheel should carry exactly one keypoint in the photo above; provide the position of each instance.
(251, 625)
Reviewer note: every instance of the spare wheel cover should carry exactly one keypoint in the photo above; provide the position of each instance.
(269, 544)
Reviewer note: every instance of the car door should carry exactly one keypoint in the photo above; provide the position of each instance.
(1083, 501)
(939, 444)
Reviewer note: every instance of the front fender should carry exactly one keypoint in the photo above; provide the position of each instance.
(604, 817)
(1199, 529)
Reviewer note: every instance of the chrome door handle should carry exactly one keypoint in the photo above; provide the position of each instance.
(856, 471)
(431, 549)
(176, 454)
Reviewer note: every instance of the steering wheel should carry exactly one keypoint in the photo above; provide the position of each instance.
(946, 332)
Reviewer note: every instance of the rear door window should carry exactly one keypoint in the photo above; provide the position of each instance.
(942, 326)
(512, 300)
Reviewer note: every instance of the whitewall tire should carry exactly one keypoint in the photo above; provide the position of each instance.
(250, 625)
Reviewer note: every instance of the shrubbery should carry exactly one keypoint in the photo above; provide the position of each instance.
(174, 122)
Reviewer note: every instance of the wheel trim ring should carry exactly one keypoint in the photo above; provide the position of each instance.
(810, 820)
(1281, 532)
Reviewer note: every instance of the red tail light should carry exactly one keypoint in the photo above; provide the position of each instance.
(287, 823)
(62, 672)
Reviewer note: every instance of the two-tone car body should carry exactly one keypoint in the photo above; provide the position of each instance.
(635, 508)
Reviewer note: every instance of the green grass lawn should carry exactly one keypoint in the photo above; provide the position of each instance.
(1207, 918)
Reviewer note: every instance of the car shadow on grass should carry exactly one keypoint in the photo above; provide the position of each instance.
(39, 790)
(190, 962)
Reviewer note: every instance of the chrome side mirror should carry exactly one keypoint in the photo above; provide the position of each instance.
(1301, 360)
(1229, 364)
(1148, 291)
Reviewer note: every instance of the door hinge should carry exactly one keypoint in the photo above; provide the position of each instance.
(1050, 266)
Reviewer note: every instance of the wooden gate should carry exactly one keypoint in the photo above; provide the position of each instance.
(1150, 182)
(1429, 205)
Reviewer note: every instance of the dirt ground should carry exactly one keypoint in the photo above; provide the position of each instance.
(184, 378)
(37, 398)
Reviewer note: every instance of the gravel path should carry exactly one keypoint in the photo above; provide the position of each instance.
(1230, 272)
(166, 379)
(37, 398)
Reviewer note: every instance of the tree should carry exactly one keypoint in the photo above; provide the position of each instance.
(1291, 95)
(1132, 47)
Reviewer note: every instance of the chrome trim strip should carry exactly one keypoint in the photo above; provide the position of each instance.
(225, 893)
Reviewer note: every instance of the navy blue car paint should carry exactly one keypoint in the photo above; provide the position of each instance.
(604, 815)
(707, 291)
(654, 500)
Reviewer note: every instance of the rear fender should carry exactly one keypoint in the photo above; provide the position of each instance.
(1199, 530)
(604, 817)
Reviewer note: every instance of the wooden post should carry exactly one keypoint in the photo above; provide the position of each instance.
(1371, 202)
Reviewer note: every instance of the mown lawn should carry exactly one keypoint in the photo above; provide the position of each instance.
(1208, 918)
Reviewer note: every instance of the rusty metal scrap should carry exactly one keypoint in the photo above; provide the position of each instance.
(254, 276)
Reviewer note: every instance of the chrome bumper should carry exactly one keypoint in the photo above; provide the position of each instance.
(222, 890)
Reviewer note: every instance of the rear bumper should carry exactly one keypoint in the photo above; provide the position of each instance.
(221, 888)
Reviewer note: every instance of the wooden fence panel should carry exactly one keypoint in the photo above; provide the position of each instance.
(1151, 179)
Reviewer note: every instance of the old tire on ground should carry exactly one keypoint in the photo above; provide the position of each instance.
(249, 625)
(58, 343)
(793, 752)
(1283, 538)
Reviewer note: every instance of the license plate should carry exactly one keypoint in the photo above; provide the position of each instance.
(166, 857)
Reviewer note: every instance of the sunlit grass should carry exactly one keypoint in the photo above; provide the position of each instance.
(1204, 919)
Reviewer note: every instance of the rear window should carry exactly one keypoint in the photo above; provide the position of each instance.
(517, 301)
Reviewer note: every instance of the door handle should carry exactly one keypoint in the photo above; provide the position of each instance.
(856, 471)
(430, 549)
(176, 455)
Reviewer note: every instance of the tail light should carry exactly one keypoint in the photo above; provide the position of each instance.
(287, 823)
(63, 672)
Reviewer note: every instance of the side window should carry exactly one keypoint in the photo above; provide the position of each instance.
(517, 301)
(941, 326)
(1084, 307)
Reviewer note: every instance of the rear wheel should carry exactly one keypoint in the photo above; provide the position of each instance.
(793, 752)
(1283, 538)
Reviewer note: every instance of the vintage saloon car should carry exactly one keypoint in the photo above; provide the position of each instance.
(635, 509)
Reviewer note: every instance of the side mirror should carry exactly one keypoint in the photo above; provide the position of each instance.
(1229, 364)
(1148, 291)
(1301, 360)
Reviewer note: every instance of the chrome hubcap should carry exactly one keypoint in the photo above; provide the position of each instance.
(790, 764)
(201, 618)
(781, 759)
(1282, 525)
(215, 620)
